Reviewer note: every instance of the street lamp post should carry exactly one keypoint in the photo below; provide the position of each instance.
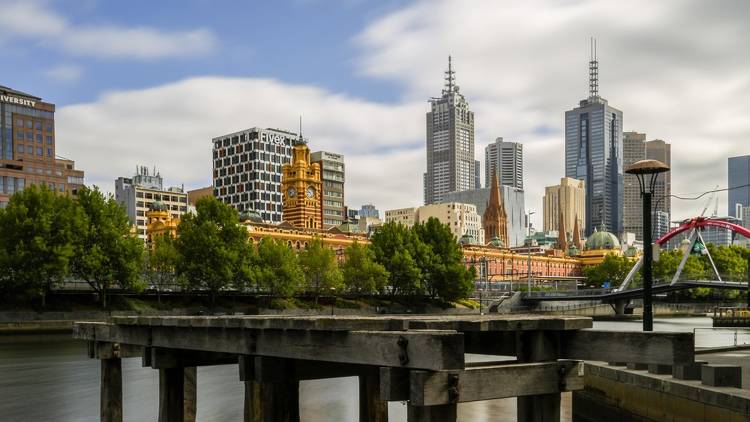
(647, 171)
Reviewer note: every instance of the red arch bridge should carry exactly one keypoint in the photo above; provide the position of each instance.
(623, 293)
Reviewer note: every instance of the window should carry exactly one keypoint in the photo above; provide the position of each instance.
(49, 152)
(19, 135)
(29, 124)
(48, 127)
(39, 151)
(29, 136)
(38, 125)
(19, 148)
(19, 123)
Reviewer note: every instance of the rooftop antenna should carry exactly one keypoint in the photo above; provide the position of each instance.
(301, 139)
(593, 71)
(449, 85)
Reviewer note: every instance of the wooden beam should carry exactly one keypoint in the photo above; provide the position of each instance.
(265, 369)
(107, 350)
(444, 413)
(371, 407)
(394, 384)
(494, 382)
(433, 350)
(110, 402)
(633, 347)
(161, 358)
(171, 394)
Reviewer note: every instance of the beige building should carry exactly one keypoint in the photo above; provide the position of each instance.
(568, 198)
(405, 216)
(462, 218)
(333, 177)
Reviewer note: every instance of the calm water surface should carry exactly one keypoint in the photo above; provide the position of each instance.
(50, 378)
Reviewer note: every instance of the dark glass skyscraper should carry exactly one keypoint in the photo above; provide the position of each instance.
(593, 153)
(739, 175)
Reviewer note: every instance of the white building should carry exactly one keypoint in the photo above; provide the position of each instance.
(462, 219)
(138, 193)
(505, 158)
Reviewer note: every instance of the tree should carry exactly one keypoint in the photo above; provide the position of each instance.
(731, 261)
(277, 270)
(320, 268)
(445, 274)
(362, 274)
(160, 264)
(612, 269)
(37, 233)
(106, 252)
(212, 247)
(395, 247)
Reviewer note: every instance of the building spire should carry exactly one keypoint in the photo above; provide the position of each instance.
(562, 234)
(450, 84)
(593, 71)
(301, 139)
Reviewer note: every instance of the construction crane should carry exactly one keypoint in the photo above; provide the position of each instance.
(713, 198)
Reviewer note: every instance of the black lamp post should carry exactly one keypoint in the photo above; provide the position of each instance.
(647, 171)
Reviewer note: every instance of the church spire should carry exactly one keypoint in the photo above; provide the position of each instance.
(495, 220)
(562, 234)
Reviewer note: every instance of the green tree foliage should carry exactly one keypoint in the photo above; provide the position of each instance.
(160, 263)
(277, 269)
(212, 248)
(362, 274)
(731, 261)
(106, 252)
(445, 275)
(614, 269)
(37, 233)
(321, 270)
(395, 247)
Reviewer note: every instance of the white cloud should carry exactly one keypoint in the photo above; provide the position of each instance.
(64, 73)
(33, 19)
(171, 127)
(675, 68)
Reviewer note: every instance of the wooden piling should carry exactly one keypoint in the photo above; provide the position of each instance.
(371, 407)
(442, 413)
(111, 390)
(538, 346)
(171, 394)
(190, 393)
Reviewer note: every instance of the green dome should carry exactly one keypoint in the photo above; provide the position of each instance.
(602, 240)
(631, 252)
(496, 242)
(467, 239)
(251, 216)
(158, 206)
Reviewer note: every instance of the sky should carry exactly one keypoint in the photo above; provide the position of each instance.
(150, 83)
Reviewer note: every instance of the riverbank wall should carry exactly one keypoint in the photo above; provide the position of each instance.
(620, 394)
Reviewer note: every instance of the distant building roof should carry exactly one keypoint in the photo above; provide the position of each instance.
(6, 90)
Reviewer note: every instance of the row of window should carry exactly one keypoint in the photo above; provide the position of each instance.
(159, 197)
(34, 124)
(29, 149)
(48, 172)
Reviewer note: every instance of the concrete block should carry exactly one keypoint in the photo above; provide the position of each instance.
(721, 375)
(616, 363)
(637, 366)
(688, 372)
(654, 368)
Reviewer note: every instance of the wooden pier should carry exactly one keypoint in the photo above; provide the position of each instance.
(419, 359)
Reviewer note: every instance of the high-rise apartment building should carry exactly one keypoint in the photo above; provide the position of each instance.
(636, 148)
(593, 153)
(139, 193)
(369, 210)
(505, 159)
(477, 174)
(247, 170)
(333, 177)
(27, 147)
(738, 175)
(567, 199)
(450, 143)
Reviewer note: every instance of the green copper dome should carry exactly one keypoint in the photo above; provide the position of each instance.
(158, 206)
(602, 240)
(467, 239)
(496, 242)
(251, 216)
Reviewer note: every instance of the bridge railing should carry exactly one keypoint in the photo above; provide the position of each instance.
(563, 293)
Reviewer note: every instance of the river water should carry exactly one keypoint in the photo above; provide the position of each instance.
(50, 378)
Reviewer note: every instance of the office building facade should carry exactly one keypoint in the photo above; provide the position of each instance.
(505, 159)
(27, 147)
(145, 191)
(567, 199)
(369, 210)
(593, 153)
(450, 143)
(247, 170)
(477, 174)
(636, 148)
(738, 175)
(333, 177)
(405, 216)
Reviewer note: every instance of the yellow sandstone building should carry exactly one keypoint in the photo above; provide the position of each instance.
(301, 189)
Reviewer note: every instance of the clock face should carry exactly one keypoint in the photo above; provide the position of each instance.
(310, 192)
(291, 192)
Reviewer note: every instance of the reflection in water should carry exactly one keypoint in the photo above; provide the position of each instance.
(50, 378)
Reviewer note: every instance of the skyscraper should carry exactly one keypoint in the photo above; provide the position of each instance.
(636, 148)
(333, 176)
(247, 170)
(477, 175)
(738, 175)
(505, 158)
(593, 153)
(450, 143)
(567, 200)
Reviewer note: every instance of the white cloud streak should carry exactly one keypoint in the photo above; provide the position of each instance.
(34, 20)
(64, 73)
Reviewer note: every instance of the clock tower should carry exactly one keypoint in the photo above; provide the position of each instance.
(301, 189)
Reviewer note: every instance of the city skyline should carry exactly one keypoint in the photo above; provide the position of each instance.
(366, 100)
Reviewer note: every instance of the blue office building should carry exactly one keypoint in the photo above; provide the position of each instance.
(739, 175)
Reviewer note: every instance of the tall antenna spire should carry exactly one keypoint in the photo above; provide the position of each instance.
(593, 71)
(301, 139)
(449, 77)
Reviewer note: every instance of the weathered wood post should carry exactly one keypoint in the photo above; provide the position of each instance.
(371, 408)
(538, 346)
(190, 398)
(442, 413)
(271, 389)
(171, 394)
(111, 390)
